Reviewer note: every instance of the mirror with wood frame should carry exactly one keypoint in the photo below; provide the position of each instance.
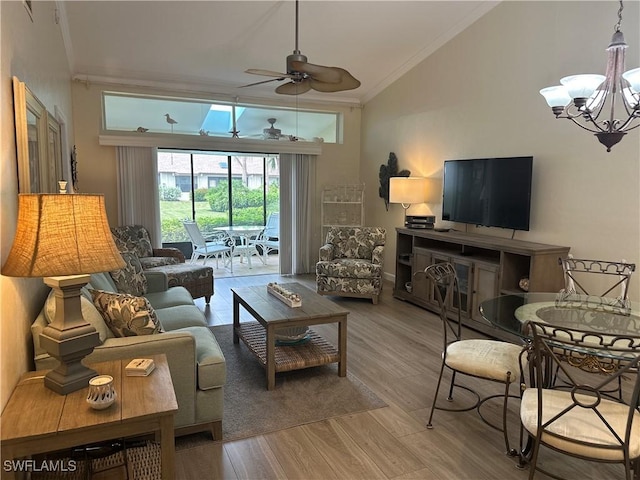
(38, 143)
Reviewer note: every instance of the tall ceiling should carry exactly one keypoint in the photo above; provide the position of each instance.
(206, 46)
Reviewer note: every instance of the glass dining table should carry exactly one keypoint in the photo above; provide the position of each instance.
(606, 318)
(601, 315)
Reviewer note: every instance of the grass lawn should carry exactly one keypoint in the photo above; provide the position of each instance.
(182, 210)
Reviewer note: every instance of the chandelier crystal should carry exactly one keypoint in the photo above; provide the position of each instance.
(590, 101)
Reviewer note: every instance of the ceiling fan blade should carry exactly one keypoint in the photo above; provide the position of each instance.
(347, 82)
(263, 81)
(294, 88)
(267, 73)
(317, 72)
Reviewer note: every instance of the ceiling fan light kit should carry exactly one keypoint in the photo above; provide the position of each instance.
(583, 98)
(305, 76)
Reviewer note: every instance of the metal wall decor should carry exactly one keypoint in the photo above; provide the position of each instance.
(386, 172)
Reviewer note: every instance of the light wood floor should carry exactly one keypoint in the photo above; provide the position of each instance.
(394, 348)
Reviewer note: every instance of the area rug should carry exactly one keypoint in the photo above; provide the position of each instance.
(300, 397)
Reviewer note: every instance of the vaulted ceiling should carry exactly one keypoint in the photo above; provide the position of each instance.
(206, 46)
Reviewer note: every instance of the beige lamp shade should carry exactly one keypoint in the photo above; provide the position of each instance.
(408, 190)
(59, 235)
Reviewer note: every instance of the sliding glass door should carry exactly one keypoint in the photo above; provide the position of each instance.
(215, 189)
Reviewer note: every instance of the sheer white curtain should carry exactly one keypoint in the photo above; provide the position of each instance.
(138, 200)
(297, 196)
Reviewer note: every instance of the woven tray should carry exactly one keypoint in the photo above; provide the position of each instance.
(317, 351)
(283, 299)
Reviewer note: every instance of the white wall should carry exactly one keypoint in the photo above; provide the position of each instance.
(478, 96)
(34, 52)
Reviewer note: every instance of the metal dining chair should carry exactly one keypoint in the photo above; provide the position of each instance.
(578, 272)
(581, 419)
(492, 360)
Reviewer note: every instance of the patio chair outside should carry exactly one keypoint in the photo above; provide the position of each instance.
(215, 246)
(269, 239)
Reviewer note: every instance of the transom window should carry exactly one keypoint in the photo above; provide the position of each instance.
(185, 116)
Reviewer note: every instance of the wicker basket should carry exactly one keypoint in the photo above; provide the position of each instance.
(132, 463)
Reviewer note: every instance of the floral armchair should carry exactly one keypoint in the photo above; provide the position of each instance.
(135, 241)
(135, 238)
(351, 262)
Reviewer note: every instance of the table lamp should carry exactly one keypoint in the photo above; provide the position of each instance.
(407, 191)
(64, 238)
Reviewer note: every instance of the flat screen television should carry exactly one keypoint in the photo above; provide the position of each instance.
(492, 192)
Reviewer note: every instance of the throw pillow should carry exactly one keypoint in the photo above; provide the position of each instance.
(130, 279)
(126, 315)
(89, 313)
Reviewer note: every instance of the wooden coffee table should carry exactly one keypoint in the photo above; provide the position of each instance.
(272, 314)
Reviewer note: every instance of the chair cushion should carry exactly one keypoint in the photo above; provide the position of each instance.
(183, 273)
(130, 279)
(580, 424)
(150, 262)
(349, 268)
(133, 238)
(355, 242)
(126, 315)
(359, 286)
(485, 358)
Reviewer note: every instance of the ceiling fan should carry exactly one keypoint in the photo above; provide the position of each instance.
(306, 76)
(272, 133)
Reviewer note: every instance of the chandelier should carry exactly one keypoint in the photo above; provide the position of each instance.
(590, 101)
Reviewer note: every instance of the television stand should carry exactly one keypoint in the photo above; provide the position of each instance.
(486, 266)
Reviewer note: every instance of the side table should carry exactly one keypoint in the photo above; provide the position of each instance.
(38, 420)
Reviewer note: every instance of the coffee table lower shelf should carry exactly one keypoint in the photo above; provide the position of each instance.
(317, 351)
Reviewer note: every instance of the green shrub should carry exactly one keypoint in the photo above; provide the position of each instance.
(201, 194)
(169, 194)
(248, 216)
(218, 197)
(173, 231)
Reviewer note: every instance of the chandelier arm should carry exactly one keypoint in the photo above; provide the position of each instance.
(632, 117)
(632, 109)
(584, 115)
(573, 119)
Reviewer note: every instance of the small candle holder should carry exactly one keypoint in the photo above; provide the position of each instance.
(101, 392)
(62, 185)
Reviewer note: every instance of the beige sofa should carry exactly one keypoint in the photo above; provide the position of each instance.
(195, 360)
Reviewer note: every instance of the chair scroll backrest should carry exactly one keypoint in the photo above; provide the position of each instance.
(607, 359)
(445, 285)
(576, 270)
